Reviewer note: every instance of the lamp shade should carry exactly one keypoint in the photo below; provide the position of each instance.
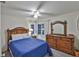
(30, 30)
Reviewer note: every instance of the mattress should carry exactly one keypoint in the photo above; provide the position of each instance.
(29, 47)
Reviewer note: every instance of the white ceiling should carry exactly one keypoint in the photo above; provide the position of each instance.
(52, 8)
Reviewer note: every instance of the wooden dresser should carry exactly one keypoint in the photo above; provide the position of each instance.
(62, 43)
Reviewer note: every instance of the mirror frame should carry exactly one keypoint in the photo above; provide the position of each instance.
(59, 22)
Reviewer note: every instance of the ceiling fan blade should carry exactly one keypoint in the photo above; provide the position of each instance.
(20, 9)
(40, 5)
(2, 1)
(29, 16)
(48, 14)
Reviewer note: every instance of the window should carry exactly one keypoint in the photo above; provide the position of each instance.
(32, 27)
(41, 29)
(38, 28)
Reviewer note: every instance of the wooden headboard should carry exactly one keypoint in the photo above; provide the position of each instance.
(17, 30)
(64, 23)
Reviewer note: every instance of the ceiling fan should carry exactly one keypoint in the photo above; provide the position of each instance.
(34, 13)
(2, 1)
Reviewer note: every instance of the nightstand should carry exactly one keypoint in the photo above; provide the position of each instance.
(34, 36)
(76, 53)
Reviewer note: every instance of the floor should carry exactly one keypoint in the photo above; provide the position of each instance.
(56, 53)
(7, 54)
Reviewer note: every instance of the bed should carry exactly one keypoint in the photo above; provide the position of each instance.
(27, 47)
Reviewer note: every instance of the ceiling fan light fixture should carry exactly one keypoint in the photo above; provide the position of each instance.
(37, 12)
(35, 16)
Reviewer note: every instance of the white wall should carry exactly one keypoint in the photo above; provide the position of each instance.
(13, 21)
(10, 21)
(3, 26)
(71, 19)
(0, 31)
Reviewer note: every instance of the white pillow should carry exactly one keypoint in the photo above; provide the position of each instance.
(19, 36)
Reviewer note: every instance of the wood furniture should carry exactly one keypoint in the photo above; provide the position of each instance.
(17, 30)
(76, 53)
(62, 42)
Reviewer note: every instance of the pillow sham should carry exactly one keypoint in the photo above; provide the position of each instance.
(19, 36)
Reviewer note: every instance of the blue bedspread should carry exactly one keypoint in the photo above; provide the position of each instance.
(29, 47)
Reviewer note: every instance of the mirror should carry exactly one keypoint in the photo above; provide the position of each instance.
(59, 28)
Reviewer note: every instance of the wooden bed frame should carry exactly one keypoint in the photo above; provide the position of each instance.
(17, 30)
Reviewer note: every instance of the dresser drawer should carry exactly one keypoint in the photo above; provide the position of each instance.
(66, 50)
(57, 38)
(52, 44)
(49, 37)
(51, 40)
(69, 42)
(64, 47)
(66, 39)
(66, 43)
